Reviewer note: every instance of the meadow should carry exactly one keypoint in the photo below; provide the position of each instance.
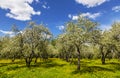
(57, 68)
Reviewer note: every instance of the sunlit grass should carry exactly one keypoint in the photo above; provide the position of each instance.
(56, 68)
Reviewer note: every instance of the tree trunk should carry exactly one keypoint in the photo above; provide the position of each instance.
(71, 61)
(36, 60)
(28, 64)
(13, 59)
(103, 59)
(67, 57)
(61, 56)
(103, 55)
(78, 66)
(28, 61)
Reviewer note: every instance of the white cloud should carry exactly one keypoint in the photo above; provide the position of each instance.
(116, 8)
(37, 1)
(10, 33)
(105, 27)
(75, 17)
(19, 9)
(88, 15)
(6, 32)
(45, 7)
(61, 27)
(108, 26)
(69, 15)
(117, 20)
(91, 3)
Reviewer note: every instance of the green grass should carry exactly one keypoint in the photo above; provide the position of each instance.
(56, 68)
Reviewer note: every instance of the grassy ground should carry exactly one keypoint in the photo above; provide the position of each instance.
(56, 68)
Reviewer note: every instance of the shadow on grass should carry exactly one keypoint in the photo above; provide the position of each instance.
(82, 62)
(115, 65)
(112, 63)
(21, 64)
(52, 65)
(117, 77)
(92, 69)
(11, 63)
(49, 64)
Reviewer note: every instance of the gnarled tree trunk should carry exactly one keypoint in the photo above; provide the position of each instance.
(78, 66)
(103, 58)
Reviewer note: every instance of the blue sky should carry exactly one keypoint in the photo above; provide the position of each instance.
(55, 13)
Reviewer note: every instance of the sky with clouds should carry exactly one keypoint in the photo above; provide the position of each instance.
(55, 13)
